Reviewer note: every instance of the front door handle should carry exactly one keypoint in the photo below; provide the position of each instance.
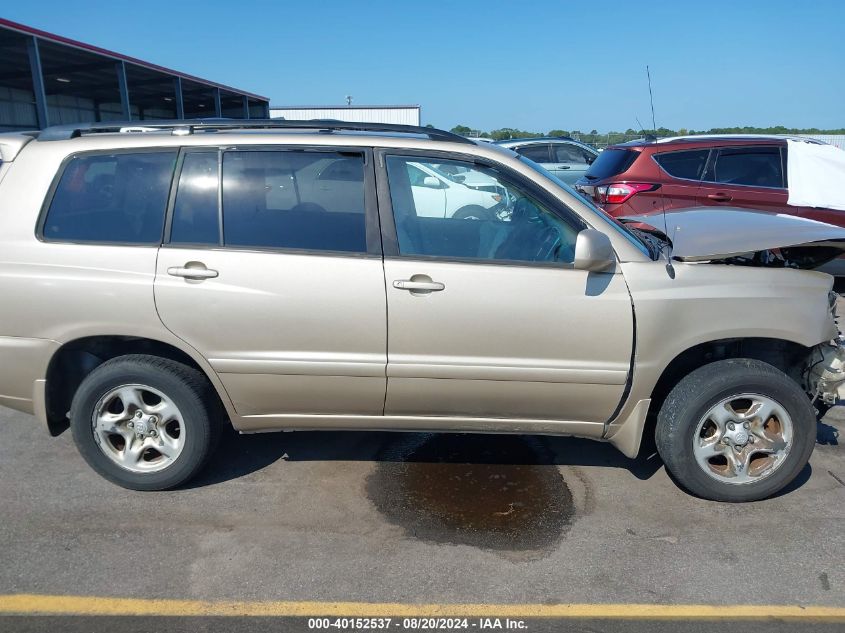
(418, 286)
(192, 270)
(563, 166)
(719, 197)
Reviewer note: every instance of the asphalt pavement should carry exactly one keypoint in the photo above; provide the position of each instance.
(415, 518)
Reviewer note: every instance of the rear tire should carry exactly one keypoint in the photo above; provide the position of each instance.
(145, 422)
(736, 430)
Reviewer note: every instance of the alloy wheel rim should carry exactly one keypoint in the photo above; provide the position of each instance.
(743, 439)
(138, 428)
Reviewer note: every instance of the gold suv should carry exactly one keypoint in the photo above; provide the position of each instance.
(160, 279)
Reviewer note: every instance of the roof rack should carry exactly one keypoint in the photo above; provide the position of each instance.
(738, 137)
(189, 126)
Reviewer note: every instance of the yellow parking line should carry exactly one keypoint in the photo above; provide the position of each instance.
(33, 604)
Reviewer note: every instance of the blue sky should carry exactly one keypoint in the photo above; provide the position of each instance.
(531, 65)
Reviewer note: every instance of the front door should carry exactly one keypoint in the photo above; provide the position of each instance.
(281, 287)
(487, 318)
(569, 162)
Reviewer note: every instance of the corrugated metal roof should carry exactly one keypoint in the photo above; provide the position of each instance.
(58, 39)
(402, 115)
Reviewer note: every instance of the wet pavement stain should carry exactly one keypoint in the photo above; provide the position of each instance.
(825, 581)
(494, 492)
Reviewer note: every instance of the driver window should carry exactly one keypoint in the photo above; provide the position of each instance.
(479, 215)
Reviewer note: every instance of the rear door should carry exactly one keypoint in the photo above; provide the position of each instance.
(749, 177)
(277, 279)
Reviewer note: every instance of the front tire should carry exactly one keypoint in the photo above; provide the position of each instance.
(144, 422)
(472, 212)
(736, 430)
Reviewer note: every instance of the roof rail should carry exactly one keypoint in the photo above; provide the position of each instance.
(189, 126)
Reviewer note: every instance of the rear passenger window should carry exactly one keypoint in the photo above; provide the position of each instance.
(565, 153)
(688, 165)
(754, 166)
(195, 212)
(294, 199)
(537, 153)
(117, 198)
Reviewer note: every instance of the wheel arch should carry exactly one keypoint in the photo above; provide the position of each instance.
(75, 359)
(783, 354)
(787, 356)
(632, 431)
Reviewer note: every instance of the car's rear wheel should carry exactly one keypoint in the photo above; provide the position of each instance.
(736, 430)
(144, 422)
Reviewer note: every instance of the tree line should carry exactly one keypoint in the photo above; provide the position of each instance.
(595, 137)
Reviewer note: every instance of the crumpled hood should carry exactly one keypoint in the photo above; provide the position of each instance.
(705, 233)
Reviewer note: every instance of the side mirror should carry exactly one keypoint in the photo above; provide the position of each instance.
(431, 182)
(593, 251)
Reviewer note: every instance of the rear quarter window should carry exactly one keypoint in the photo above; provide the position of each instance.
(611, 162)
(688, 164)
(539, 153)
(111, 198)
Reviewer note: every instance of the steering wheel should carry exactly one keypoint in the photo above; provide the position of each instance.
(544, 232)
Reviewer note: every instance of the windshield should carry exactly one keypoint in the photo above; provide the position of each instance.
(635, 239)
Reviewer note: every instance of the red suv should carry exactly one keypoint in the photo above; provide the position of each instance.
(646, 177)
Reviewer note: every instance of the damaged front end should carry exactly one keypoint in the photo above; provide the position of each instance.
(824, 374)
(744, 237)
(800, 257)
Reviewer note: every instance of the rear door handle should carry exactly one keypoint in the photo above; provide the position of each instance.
(424, 286)
(192, 270)
(563, 166)
(720, 197)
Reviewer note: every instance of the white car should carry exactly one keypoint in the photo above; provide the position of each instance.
(441, 195)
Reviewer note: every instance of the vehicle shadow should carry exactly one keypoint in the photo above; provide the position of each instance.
(240, 455)
(827, 434)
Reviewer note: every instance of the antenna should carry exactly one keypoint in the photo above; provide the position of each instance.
(651, 100)
(669, 268)
(642, 129)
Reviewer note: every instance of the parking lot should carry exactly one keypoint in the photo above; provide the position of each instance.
(413, 518)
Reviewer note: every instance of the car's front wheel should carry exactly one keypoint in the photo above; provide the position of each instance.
(736, 430)
(145, 423)
(472, 212)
